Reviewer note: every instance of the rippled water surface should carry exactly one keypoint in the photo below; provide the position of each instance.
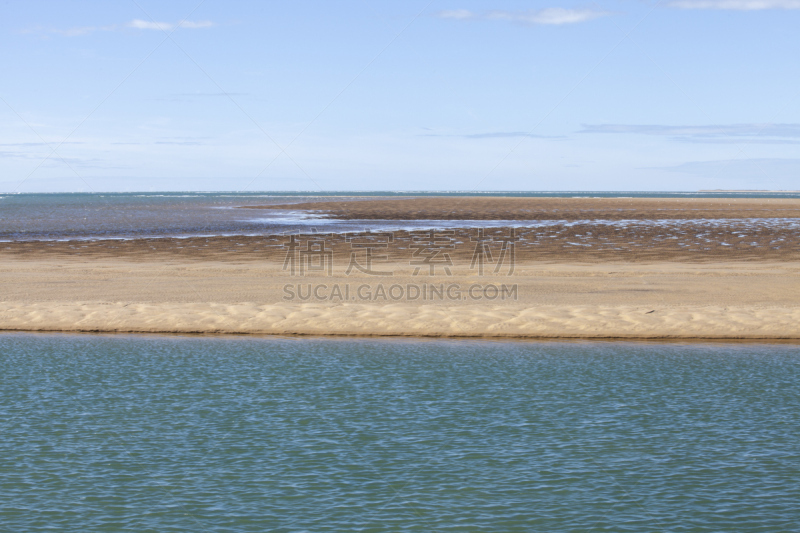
(110, 433)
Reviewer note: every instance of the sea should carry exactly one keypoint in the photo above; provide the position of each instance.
(230, 433)
(92, 216)
(220, 434)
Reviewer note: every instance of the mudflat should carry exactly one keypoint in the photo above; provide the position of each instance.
(516, 208)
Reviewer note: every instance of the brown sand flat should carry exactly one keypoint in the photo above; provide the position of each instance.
(581, 243)
(495, 208)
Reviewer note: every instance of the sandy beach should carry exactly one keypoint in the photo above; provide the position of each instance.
(695, 279)
(711, 269)
(553, 300)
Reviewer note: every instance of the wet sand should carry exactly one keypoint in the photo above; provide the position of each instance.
(694, 241)
(496, 208)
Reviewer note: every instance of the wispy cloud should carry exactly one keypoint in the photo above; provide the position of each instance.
(735, 140)
(505, 135)
(55, 143)
(56, 160)
(31, 150)
(736, 5)
(184, 141)
(551, 16)
(136, 24)
(757, 133)
(492, 135)
(210, 94)
(167, 26)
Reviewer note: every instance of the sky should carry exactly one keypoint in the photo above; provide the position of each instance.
(418, 95)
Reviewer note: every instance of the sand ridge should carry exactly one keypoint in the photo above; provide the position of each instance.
(403, 320)
(554, 300)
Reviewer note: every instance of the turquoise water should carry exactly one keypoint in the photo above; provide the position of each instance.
(136, 433)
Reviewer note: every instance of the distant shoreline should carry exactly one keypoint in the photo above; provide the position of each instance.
(713, 193)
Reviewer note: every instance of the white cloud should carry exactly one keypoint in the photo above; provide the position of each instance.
(148, 25)
(168, 26)
(737, 5)
(550, 15)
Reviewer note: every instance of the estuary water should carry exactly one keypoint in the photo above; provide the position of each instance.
(150, 433)
(79, 216)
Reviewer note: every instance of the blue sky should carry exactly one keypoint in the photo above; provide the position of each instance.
(411, 95)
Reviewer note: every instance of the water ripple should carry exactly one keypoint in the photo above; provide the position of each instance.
(107, 433)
